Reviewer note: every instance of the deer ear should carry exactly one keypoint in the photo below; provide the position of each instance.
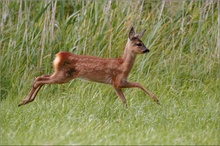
(131, 33)
(139, 35)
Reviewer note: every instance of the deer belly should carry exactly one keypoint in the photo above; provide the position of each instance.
(97, 77)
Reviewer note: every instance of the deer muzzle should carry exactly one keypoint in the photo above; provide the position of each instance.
(146, 51)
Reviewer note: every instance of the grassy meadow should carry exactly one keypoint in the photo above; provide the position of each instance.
(182, 70)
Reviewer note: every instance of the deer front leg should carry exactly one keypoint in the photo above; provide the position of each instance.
(121, 96)
(126, 84)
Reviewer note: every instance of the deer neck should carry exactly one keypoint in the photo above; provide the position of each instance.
(128, 59)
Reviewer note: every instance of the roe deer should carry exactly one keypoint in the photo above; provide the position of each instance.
(114, 71)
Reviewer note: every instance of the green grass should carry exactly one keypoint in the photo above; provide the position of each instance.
(182, 69)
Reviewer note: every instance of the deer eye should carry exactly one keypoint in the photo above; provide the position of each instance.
(139, 44)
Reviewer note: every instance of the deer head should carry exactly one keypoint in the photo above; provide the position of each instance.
(134, 44)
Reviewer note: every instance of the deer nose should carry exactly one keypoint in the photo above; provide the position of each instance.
(146, 51)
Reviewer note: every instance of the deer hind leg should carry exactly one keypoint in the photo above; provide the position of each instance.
(137, 85)
(121, 96)
(35, 88)
(42, 80)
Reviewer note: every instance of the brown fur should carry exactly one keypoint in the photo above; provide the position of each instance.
(115, 71)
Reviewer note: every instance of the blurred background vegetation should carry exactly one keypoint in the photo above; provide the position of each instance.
(183, 36)
(32, 32)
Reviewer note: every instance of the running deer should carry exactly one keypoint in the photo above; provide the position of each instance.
(113, 71)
